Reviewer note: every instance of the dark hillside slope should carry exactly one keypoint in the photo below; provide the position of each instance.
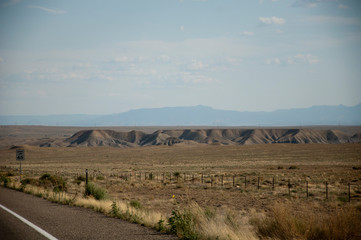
(89, 138)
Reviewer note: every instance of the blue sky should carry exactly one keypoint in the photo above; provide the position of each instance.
(101, 57)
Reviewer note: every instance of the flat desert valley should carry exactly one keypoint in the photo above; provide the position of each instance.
(228, 171)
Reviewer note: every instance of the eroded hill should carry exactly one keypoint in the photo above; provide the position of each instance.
(92, 138)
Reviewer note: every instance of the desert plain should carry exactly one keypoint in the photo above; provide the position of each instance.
(247, 179)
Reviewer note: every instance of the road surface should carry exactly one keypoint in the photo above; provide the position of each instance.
(63, 222)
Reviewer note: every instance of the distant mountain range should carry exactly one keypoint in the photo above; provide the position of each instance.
(200, 116)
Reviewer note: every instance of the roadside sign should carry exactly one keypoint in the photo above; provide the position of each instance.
(20, 154)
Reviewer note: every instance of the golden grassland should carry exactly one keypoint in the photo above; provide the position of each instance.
(228, 211)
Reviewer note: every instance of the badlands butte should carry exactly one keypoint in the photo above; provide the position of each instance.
(192, 136)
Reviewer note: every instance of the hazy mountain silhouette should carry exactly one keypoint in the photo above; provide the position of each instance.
(200, 116)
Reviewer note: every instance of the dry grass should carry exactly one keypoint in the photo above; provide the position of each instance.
(300, 220)
(218, 212)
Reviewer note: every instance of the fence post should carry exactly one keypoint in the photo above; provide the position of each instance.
(86, 177)
(192, 178)
(163, 177)
(202, 178)
(273, 183)
(245, 182)
(170, 174)
(326, 190)
(307, 189)
(289, 187)
(233, 180)
(349, 192)
(211, 181)
(258, 183)
(222, 180)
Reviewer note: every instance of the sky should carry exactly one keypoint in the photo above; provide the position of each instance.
(104, 57)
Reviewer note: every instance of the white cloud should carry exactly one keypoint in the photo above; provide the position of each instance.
(181, 28)
(272, 20)
(189, 77)
(121, 59)
(48, 10)
(247, 33)
(272, 61)
(297, 59)
(306, 58)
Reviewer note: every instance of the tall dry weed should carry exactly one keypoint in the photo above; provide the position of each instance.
(212, 224)
(308, 221)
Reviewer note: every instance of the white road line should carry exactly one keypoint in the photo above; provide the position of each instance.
(41, 231)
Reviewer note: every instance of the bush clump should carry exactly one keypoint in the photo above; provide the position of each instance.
(182, 224)
(283, 223)
(95, 191)
(5, 180)
(53, 181)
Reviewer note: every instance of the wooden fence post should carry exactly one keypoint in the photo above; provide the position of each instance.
(289, 187)
(258, 183)
(326, 190)
(273, 183)
(307, 189)
(211, 181)
(245, 182)
(349, 192)
(233, 181)
(202, 178)
(222, 180)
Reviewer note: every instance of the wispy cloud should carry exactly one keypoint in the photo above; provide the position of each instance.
(306, 3)
(297, 59)
(247, 33)
(303, 58)
(272, 61)
(181, 28)
(333, 20)
(342, 6)
(197, 65)
(272, 20)
(11, 2)
(49, 10)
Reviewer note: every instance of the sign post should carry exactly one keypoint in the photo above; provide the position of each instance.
(20, 156)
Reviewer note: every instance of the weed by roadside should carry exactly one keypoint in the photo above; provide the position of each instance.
(97, 192)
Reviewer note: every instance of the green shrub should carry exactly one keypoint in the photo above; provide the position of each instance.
(5, 180)
(136, 204)
(182, 224)
(115, 210)
(160, 225)
(54, 181)
(100, 177)
(81, 178)
(95, 191)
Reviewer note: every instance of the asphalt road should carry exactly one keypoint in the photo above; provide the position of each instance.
(64, 222)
